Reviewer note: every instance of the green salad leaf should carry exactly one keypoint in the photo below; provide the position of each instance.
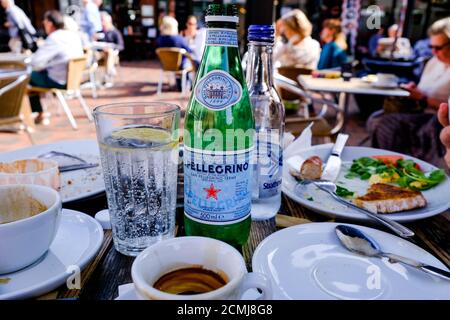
(406, 173)
(343, 192)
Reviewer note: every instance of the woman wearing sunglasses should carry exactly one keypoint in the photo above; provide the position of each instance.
(410, 125)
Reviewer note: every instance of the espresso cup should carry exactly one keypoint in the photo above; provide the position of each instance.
(187, 252)
(386, 79)
(29, 219)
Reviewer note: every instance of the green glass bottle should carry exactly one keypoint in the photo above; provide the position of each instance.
(218, 137)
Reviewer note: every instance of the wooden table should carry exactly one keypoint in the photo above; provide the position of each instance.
(346, 88)
(110, 269)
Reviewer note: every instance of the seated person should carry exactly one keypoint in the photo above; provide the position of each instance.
(110, 33)
(334, 45)
(50, 61)
(109, 58)
(294, 45)
(373, 41)
(385, 46)
(195, 38)
(170, 38)
(445, 133)
(407, 128)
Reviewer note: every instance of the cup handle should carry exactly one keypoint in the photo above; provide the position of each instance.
(254, 280)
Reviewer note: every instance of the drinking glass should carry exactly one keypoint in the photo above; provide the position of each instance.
(139, 153)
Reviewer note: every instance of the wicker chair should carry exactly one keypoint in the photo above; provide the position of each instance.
(13, 90)
(171, 59)
(75, 71)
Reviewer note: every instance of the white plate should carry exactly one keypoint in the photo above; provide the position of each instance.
(75, 185)
(77, 241)
(308, 262)
(322, 203)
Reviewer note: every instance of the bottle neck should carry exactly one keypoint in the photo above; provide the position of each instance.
(259, 65)
(221, 35)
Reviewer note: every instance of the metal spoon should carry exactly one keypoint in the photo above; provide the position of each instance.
(356, 241)
(330, 188)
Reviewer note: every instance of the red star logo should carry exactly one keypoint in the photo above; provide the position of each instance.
(212, 192)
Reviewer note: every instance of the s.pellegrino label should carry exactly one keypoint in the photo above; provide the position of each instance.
(217, 185)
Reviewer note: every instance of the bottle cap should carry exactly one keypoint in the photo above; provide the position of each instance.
(261, 33)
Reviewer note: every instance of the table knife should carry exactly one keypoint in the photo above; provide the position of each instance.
(333, 166)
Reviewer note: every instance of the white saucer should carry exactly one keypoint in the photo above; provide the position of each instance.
(308, 262)
(77, 241)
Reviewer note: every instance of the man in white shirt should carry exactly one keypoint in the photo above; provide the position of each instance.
(16, 20)
(50, 61)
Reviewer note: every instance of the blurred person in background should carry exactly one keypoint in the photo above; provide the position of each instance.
(334, 45)
(170, 38)
(17, 20)
(445, 133)
(50, 61)
(110, 32)
(294, 46)
(194, 37)
(410, 124)
(90, 22)
(385, 46)
(373, 40)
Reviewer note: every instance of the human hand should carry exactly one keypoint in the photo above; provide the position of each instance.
(409, 86)
(443, 114)
(414, 92)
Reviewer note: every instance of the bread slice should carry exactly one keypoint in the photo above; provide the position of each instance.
(311, 168)
(386, 198)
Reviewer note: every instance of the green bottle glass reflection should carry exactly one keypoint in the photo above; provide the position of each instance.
(219, 129)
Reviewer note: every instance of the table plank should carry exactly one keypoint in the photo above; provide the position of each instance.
(354, 86)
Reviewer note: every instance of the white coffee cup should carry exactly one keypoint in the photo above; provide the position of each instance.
(386, 79)
(183, 252)
(24, 238)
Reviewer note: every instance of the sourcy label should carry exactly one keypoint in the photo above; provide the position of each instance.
(221, 37)
(218, 90)
(268, 169)
(217, 186)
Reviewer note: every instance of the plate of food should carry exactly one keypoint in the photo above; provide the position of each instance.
(385, 182)
(73, 185)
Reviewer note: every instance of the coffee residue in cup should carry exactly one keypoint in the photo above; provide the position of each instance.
(189, 281)
(17, 204)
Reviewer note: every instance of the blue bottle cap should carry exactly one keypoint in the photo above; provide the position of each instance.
(261, 33)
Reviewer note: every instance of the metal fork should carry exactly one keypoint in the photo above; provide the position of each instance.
(330, 188)
(51, 154)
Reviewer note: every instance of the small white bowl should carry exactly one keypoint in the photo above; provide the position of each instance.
(25, 240)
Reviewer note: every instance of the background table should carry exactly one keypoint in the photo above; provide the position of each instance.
(345, 88)
(110, 269)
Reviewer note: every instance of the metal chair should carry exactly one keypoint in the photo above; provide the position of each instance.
(13, 88)
(322, 127)
(171, 63)
(75, 69)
